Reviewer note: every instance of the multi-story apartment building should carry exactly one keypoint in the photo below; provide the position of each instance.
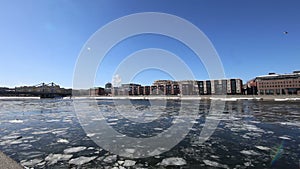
(97, 91)
(127, 89)
(279, 84)
(250, 88)
(184, 87)
(220, 87)
(165, 87)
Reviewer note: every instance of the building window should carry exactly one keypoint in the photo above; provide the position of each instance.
(278, 91)
(261, 92)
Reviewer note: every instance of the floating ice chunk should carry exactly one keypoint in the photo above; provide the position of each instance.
(173, 161)
(111, 120)
(41, 132)
(62, 141)
(263, 148)
(285, 138)
(81, 160)
(10, 137)
(31, 163)
(247, 164)
(245, 136)
(16, 121)
(249, 152)
(214, 164)
(214, 156)
(110, 159)
(291, 123)
(120, 162)
(74, 149)
(54, 158)
(130, 150)
(91, 134)
(194, 122)
(16, 142)
(53, 120)
(155, 152)
(158, 129)
(250, 127)
(129, 163)
(10, 142)
(26, 129)
(178, 121)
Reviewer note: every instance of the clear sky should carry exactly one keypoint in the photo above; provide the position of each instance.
(41, 40)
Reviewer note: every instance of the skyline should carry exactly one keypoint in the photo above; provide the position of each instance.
(244, 82)
(42, 40)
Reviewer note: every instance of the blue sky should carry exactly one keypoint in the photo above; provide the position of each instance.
(41, 40)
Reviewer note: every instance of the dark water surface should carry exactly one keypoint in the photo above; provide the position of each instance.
(250, 134)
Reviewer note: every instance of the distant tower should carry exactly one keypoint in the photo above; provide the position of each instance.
(108, 85)
(107, 89)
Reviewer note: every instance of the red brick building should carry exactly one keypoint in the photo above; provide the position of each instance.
(279, 84)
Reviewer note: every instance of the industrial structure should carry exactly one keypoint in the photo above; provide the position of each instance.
(43, 90)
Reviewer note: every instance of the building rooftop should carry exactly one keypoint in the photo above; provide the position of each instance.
(295, 74)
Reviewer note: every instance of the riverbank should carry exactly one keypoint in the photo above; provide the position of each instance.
(208, 97)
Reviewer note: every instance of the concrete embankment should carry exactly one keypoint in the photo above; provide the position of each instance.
(204, 97)
(8, 163)
(207, 97)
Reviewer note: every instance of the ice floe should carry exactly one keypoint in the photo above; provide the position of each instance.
(110, 159)
(74, 149)
(129, 163)
(120, 162)
(249, 152)
(31, 163)
(16, 121)
(130, 150)
(291, 123)
(81, 160)
(284, 137)
(62, 141)
(54, 158)
(214, 164)
(26, 129)
(176, 161)
(262, 148)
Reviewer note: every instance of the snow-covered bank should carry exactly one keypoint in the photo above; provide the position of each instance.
(18, 98)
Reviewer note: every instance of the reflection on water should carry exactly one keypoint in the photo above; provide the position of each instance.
(251, 134)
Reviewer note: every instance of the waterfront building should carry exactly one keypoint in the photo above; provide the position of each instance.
(127, 89)
(97, 91)
(279, 84)
(146, 90)
(250, 87)
(108, 88)
(189, 87)
(234, 86)
(165, 87)
(183, 88)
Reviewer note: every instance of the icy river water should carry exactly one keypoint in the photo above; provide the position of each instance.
(249, 134)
